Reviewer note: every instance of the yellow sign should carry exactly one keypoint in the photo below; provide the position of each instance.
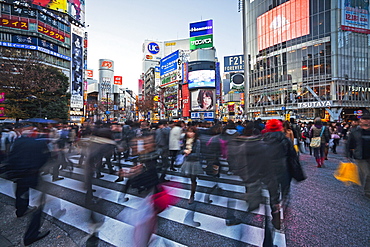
(287, 117)
(155, 98)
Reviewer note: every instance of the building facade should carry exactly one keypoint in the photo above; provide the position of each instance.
(53, 31)
(308, 58)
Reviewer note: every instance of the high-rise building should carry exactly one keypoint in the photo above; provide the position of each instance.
(308, 58)
(54, 30)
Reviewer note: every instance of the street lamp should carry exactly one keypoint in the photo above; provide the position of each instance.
(33, 97)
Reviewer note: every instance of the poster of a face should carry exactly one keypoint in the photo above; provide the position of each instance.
(203, 100)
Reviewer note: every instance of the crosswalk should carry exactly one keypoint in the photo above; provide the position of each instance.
(115, 215)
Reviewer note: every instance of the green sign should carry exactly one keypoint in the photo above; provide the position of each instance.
(205, 41)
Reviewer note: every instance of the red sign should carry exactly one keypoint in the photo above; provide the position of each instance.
(141, 86)
(185, 101)
(89, 73)
(47, 30)
(106, 64)
(118, 80)
(14, 23)
(287, 21)
(2, 97)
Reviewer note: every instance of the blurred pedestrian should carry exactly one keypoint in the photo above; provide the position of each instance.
(359, 143)
(174, 142)
(26, 158)
(319, 130)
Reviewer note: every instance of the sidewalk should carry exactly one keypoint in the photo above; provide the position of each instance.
(12, 228)
(324, 211)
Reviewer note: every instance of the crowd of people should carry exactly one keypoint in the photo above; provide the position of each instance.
(264, 155)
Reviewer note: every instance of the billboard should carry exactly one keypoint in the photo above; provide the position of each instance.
(77, 68)
(58, 5)
(89, 73)
(205, 41)
(169, 63)
(201, 28)
(201, 79)
(279, 24)
(185, 101)
(76, 8)
(355, 16)
(105, 64)
(117, 80)
(203, 100)
(234, 63)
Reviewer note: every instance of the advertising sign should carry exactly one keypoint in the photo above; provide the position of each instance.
(234, 63)
(2, 111)
(58, 5)
(118, 80)
(106, 64)
(198, 42)
(77, 71)
(355, 16)
(201, 79)
(185, 101)
(169, 63)
(279, 24)
(76, 8)
(6, 22)
(218, 79)
(2, 97)
(46, 29)
(201, 28)
(205, 115)
(90, 73)
(185, 70)
(153, 48)
(203, 100)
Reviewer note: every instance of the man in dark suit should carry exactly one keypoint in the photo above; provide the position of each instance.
(27, 156)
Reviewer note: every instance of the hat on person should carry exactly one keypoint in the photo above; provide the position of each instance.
(274, 125)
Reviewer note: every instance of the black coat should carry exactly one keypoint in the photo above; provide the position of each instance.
(27, 156)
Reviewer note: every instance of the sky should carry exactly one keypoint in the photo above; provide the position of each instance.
(117, 29)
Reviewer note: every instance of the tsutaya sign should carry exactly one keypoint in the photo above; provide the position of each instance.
(318, 104)
(205, 41)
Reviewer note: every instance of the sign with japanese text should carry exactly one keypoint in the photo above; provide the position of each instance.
(355, 16)
(2, 97)
(45, 29)
(118, 80)
(77, 71)
(14, 23)
(198, 42)
(169, 63)
(90, 73)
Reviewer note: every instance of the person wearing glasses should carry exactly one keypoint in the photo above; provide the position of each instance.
(358, 145)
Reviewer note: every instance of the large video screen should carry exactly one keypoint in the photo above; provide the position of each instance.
(203, 100)
(287, 21)
(201, 79)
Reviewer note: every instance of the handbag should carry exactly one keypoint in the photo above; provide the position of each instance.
(335, 136)
(347, 172)
(316, 141)
(180, 158)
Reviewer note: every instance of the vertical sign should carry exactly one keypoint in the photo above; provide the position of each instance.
(77, 68)
(185, 101)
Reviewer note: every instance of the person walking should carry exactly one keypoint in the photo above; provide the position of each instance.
(174, 142)
(319, 130)
(162, 136)
(358, 145)
(192, 167)
(25, 160)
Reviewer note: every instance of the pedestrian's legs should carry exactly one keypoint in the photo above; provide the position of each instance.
(364, 172)
(173, 154)
(21, 197)
(193, 179)
(165, 164)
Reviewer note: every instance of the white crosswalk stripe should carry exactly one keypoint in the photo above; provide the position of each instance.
(116, 231)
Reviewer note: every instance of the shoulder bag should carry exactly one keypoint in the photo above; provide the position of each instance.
(316, 141)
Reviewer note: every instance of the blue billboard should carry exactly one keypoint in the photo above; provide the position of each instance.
(169, 63)
(201, 28)
(234, 63)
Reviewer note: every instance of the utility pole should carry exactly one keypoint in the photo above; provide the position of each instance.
(107, 111)
(246, 60)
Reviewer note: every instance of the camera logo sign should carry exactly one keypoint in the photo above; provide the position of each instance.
(153, 48)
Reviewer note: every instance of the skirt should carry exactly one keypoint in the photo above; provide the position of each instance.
(192, 168)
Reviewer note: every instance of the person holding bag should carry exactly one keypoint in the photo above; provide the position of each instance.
(191, 166)
(320, 137)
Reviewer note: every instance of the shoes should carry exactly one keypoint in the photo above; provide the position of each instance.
(163, 180)
(41, 235)
(233, 222)
(173, 169)
(191, 200)
(334, 152)
(57, 179)
(120, 179)
(192, 223)
(28, 211)
(99, 176)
